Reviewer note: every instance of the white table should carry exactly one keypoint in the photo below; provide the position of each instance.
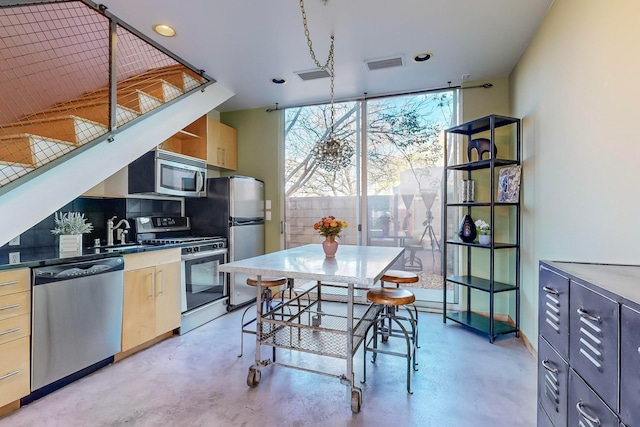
(353, 266)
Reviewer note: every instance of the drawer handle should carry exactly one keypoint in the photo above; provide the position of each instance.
(10, 374)
(9, 331)
(590, 418)
(548, 367)
(15, 282)
(7, 307)
(550, 291)
(583, 313)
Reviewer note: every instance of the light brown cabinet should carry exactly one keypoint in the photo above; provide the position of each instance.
(222, 145)
(209, 140)
(15, 330)
(151, 304)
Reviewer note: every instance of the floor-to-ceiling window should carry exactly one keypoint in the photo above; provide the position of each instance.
(389, 189)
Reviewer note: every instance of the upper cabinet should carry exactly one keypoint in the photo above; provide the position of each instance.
(207, 139)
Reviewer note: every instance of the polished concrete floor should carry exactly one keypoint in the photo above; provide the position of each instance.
(197, 380)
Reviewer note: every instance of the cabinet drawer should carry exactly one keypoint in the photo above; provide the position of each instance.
(15, 305)
(553, 374)
(13, 281)
(594, 323)
(630, 367)
(14, 371)
(585, 407)
(15, 327)
(553, 303)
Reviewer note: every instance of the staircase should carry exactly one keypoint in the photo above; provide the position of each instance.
(41, 137)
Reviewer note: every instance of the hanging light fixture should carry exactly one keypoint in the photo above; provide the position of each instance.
(331, 154)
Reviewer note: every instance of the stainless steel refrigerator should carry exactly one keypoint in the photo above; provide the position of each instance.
(233, 208)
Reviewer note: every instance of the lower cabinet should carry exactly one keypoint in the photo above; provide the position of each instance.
(151, 296)
(15, 332)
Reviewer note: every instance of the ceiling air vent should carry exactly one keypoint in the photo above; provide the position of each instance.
(312, 74)
(379, 64)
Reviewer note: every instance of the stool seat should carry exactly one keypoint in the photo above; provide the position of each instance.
(399, 276)
(391, 296)
(267, 281)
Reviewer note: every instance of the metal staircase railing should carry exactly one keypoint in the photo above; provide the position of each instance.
(73, 75)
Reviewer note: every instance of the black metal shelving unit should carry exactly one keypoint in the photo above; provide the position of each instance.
(459, 137)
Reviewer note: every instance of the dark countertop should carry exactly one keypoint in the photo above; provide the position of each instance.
(50, 256)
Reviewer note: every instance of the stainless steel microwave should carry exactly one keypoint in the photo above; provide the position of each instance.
(166, 173)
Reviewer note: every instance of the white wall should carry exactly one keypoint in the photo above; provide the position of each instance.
(575, 90)
(31, 202)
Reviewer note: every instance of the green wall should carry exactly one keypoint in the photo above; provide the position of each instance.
(259, 154)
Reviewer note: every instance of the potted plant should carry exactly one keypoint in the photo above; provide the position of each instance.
(484, 232)
(70, 226)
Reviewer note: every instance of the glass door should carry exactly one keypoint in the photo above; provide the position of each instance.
(390, 193)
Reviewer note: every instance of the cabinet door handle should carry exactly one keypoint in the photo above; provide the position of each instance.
(583, 413)
(548, 367)
(161, 272)
(224, 156)
(7, 307)
(218, 156)
(15, 282)
(153, 285)
(9, 331)
(550, 290)
(583, 313)
(10, 374)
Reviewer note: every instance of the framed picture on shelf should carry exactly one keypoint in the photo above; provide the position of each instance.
(509, 184)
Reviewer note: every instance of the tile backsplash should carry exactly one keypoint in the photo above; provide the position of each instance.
(39, 240)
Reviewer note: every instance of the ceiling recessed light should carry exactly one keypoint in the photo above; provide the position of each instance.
(421, 57)
(278, 81)
(164, 30)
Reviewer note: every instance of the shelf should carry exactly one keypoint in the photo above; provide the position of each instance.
(482, 124)
(482, 164)
(183, 134)
(496, 245)
(481, 284)
(480, 204)
(481, 323)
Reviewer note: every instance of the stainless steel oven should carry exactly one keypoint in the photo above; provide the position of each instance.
(202, 282)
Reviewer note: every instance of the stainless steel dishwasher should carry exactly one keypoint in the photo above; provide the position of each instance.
(76, 318)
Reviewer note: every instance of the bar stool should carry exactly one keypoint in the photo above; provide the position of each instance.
(390, 299)
(268, 282)
(400, 277)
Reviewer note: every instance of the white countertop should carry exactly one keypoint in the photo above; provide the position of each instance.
(362, 265)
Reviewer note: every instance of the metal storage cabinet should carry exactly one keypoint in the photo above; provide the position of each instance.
(553, 303)
(604, 343)
(630, 367)
(553, 374)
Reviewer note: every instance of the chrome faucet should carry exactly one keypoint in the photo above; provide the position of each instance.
(120, 232)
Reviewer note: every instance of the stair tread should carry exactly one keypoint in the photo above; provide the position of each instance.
(8, 138)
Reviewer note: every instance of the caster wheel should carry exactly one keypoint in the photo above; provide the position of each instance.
(253, 379)
(356, 400)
